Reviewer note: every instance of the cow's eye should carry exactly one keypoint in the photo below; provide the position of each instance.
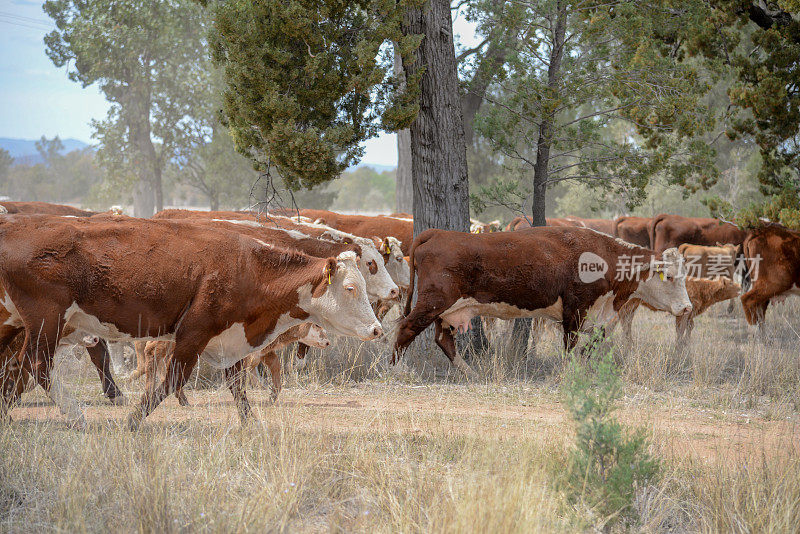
(351, 289)
(669, 278)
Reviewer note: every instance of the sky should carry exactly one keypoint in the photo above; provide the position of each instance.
(39, 99)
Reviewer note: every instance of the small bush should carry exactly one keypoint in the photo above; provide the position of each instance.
(608, 463)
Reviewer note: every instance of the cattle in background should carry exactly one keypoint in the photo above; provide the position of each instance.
(521, 223)
(365, 226)
(600, 225)
(44, 208)
(213, 292)
(478, 227)
(709, 262)
(531, 273)
(633, 230)
(389, 248)
(772, 256)
(668, 231)
(703, 294)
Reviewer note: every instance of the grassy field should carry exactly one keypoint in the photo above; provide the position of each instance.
(352, 446)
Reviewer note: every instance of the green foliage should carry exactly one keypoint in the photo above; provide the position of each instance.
(608, 463)
(151, 62)
(364, 190)
(620, 106)
(60, 178)
(6, 161)
(307, 81)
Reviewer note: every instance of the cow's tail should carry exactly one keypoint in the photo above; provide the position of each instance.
(421, 238)
(651, 230)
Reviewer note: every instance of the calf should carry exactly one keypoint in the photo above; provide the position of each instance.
(703, 293)
(214, 292)
(772, 256)
(565, 274)
(156, 354)
(667, 231)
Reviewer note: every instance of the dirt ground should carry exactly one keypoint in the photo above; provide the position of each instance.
(680, 426)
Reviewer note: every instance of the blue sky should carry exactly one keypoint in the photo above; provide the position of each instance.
(38, 98)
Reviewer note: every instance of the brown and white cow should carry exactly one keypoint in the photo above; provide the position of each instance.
(214, 292)
(155, 355)
(568, 275)
(521, 223)
(633, 230)
(703, 293)
(668, 231)
(478, 227)
(772, 255)
(605, 226)
(43, 208)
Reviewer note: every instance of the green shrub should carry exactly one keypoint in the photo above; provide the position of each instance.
(608, 462)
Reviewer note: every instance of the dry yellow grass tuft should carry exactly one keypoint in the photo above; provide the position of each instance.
(352, 446)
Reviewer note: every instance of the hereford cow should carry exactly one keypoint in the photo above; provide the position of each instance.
(478, 227)
(366, 226)
(772, 256)
(703, 293)
(521, 223)
(214, 292)
(668, 231)
(43, 208)
(601, 225)
(156, 354)
(633, 230)
(569, 275)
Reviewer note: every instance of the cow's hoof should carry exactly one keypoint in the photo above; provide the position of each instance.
(119, 400)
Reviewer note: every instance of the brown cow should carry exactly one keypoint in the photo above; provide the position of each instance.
(215, 292)
(668, 231)
(521, 223)
(43, 208)
(703, 293)
(152, 363)
(772, 255)
(709, 262)
(601, 225)
(569, 275)
(633, 230)
(365, 226)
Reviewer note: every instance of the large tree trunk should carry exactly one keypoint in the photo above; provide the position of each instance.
(438, 152)
(404, 192)
(148, 193)
(540, 169)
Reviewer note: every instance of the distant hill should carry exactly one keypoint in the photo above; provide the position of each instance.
(24, 150)
(375, 166)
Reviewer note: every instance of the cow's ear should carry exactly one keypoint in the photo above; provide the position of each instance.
(385, 247)
(328, 272)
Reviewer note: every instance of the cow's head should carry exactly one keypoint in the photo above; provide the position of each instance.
(379, 283)
(339, 301)
(727, 289)
(396, 264)
(665, 285)
(315, 337)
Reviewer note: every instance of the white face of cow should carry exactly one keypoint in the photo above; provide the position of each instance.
(379, 284)
(397, 265)
(344, 307)
(315, 337)
(665, 287)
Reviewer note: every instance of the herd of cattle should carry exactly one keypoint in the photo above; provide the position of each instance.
(235, 287)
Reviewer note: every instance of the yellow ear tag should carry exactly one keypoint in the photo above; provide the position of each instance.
(329, 276)
(388, 248)
(661, 275)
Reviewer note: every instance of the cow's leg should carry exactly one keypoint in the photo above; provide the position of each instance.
(235, 376)
(101, 360)
(13, 378)
(188, 346)
(417, 321)
(683, 330)
(755, 309)
(37, 356)
(446, 342)
(141, 360)
(273, 363)
(571, 321)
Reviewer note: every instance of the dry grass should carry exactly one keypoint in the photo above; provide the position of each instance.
(354, 446)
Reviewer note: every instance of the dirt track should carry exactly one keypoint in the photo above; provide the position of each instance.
(497, 412)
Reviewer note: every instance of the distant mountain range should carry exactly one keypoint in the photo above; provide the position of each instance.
(24, 150)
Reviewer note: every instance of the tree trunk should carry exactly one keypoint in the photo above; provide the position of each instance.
(438, 152)
(540, 169)
(213, 200)
(143, 200)
(148, 193)
(404, 196)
